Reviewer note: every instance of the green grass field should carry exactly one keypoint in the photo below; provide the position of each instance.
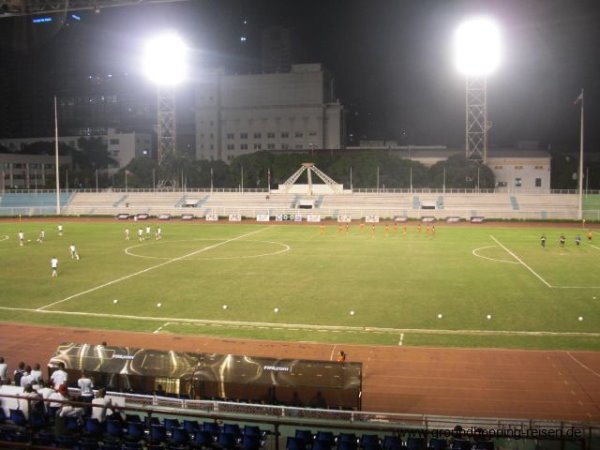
(396, 285)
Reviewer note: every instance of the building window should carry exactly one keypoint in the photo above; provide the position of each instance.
(257, 135)
(498, 167)
(298, 134)
(284, 146)
(518, 182)
(114, 142)
(518, 167)
(539, 167)
(270, 146)
(257, 146)
(230, 147)
(244, 147)
(298, 147)
(270, 135)
(285, 134)
(243, 135)
(312, 133)
(538, 182)
(230, 136)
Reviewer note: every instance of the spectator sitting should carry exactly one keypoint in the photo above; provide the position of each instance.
(101, 406)
(3, 368)
(45, 392)
(341, 357)
(86, 386)
(26, 377)
(27, 400)
(59, 376)
(36, 373)
(18, 373)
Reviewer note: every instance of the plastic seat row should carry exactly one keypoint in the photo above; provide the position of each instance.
(327, 440)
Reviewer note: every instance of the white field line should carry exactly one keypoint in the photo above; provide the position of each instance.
(166, 324)
(4, 238)
(303, 327)
(594, 246)
(583, 365)
(332, 352)
(157, 266)
(475, 252)
(521, 261)
(401, 339)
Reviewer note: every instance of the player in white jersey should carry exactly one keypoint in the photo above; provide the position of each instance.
(73, 251)
(54, 266)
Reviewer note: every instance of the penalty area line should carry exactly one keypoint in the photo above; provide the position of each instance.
(148, 269)
(521, 261)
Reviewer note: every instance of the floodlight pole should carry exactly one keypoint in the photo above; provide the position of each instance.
(55, 158)
(580, 212)
(476, 124)
(166, 125)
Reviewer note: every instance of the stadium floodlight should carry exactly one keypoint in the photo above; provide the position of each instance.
(165, 59)
(477, 48)
(165, 63)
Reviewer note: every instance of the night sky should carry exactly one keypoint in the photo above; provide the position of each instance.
(391, 59)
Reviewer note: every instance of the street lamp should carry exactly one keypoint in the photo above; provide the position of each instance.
(165, 64)
(477, 48)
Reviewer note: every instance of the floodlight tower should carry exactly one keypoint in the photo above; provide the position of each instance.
(477, 55)
(165, 64)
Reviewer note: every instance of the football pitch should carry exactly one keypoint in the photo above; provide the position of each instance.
(464, 285)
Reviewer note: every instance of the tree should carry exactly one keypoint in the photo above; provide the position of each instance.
(461, 173)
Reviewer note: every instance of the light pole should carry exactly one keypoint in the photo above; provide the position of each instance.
(477, 48)
(164, 62)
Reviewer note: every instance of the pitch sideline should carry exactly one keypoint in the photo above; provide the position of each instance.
(305, 327)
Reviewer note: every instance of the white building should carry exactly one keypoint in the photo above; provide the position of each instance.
(123, 147)
(239, 114)
(28, 171)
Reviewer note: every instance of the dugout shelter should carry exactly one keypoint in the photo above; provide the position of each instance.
(244, 378)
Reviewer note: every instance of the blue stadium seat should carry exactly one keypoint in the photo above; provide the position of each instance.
(370, 442)
(227, 441)
(191, 426)
(461, 444)
(212, 427)
(93, 427)
(295, 443)
(392, 443)
(325, 436)
(158, 434)
(415, 443)
(135, 431)
(306, 436)
(180, 438)
(319, 444)
(170, 424)
(438, 444)
(17, 417)
(251, 442)
(202, 439)
(232, 428)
